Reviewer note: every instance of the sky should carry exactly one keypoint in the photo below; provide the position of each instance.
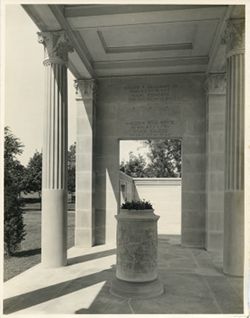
(24, 83)
(25, 87)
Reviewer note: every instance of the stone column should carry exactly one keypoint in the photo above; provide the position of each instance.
(234, 150)
(215, 157)
(54, 177)
(85, 189)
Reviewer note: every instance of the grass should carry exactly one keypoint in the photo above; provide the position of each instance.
(30, 251)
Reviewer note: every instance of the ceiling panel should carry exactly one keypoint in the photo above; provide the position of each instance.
(98, 51)
(149, 41)
(114, 40)
(120, 39)
(153, 34)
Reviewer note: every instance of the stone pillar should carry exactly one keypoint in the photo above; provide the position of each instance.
(54, 177)
(85, 183)
(234, 150)
(215, 158)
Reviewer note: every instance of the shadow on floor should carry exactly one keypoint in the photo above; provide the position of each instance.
(54, 291)
(105, 303)
(27, 253)
(90, 257)
(192, 284)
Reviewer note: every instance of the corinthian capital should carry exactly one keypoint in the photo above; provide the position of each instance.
(85, 89)
(215, 84)
(57, 46)
(234, 36)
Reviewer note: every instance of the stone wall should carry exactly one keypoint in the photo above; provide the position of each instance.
(165, 196)
(166, 106)
(127, 188)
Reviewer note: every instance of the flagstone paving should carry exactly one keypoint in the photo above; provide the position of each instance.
(193, 280)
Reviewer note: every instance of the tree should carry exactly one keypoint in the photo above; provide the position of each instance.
(14, 231)
(71, 168)
(33, 176)
(135, 166)
(164, 158)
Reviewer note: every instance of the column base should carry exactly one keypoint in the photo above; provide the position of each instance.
(233, 260)
(54, 228)
(145, 290)
(83, 238)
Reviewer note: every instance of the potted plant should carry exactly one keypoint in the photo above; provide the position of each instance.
(140, 205)
(136, 251)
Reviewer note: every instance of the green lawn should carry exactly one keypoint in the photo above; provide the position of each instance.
(30, 252)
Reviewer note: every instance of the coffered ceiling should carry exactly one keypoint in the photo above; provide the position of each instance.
(112, 40)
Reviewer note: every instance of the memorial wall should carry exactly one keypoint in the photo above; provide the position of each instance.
(166, 106)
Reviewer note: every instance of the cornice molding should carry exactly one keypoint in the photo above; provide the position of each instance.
(147, 182)
(157, 62)
(57, 46)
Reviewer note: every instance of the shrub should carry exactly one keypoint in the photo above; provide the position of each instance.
(14, 231)
(137, 205)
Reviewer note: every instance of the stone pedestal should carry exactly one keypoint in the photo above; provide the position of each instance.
(136, 269)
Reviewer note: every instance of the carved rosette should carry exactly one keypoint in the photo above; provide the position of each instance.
(85, 89)
(234, 36)
(57, 46)
(216, 84)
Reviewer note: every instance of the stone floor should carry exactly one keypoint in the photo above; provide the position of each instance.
(193, 281)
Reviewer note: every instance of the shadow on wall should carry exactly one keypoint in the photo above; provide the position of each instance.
(106, 198)
(128, 190)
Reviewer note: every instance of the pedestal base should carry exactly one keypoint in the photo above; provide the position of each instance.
(143, 290)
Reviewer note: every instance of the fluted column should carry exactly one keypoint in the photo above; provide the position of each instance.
(85, 177)
(234, 150)
(54, 177)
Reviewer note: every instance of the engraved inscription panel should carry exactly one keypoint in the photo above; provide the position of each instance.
(144, 99)
(149, 93)
(153, 128)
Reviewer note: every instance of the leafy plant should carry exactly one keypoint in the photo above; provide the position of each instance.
(135, 166)
(163, 160)
(137, 205)
(33, 176)
(14, 228)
